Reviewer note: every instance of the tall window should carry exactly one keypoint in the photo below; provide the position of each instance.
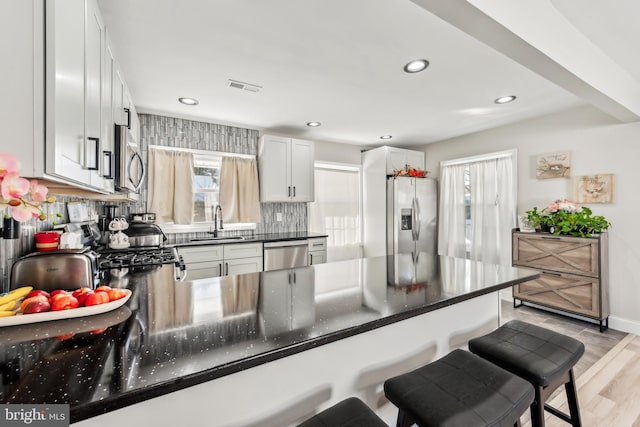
(478, 207)
(336, 210)
(206, 186)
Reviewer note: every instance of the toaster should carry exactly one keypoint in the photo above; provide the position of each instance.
(62, 269)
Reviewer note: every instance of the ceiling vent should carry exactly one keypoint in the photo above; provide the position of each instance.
(243, 86)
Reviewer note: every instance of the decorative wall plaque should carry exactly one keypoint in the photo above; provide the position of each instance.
(594, 188)
(554, 165)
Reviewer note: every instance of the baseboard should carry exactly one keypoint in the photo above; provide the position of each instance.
(624, 325)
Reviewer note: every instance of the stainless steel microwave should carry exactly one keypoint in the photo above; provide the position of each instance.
(129, 170)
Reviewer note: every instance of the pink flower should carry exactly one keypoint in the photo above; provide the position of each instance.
(38, 192)
(8, 165)
(23, 212)
(14, 187)
(553, 207)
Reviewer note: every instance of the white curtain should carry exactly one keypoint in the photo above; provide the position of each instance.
(451, 229)
(170, 185)
(336, 212)
(493, 210)
(239, 191)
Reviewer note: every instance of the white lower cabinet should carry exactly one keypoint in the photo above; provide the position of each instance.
(317, 250)
(221, 260)
(288, 300)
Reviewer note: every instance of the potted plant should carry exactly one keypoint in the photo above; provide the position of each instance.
(564, 217)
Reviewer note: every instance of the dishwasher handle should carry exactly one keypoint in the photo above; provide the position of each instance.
(285, 244)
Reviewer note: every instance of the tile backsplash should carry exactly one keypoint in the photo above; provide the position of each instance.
(170, 132)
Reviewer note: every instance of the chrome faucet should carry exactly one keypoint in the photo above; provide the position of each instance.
(215, 220)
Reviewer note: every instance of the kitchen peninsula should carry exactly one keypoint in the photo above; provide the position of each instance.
(261, 349)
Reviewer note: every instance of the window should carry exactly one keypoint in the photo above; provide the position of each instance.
(477, 207)
(206, 186)
(336, 210)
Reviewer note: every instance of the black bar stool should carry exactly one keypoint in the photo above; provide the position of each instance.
(351, 412)
(459, 390)
(542, 357)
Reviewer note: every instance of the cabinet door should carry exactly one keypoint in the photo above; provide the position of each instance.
(203, 270)
(107, 141)
(569, 292)
(65, 49)
(274, 160)
(302, 173)
(242, 250)
(399, 158)
(95, 56)
(557, 253)
(242, 265)
(117, 97)
(317, 257)
(203, 253)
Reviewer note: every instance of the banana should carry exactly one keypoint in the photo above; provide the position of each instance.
(7, 313)
(15, 294)
(9, 306)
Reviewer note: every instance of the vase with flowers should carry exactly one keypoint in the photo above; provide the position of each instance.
(565, 217)
(20, 199)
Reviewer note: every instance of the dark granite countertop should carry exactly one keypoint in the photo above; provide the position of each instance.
(171, 335)
(252, 238)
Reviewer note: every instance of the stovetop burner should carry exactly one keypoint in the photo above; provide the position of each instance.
(137, 257)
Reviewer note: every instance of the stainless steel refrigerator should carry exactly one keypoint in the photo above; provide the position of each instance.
(412, 215)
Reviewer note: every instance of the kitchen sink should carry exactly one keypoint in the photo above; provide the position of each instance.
(219, 239)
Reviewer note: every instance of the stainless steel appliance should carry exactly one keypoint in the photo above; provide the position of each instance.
(129, 170)
(142, 234)
(289, 254)
(61, 269)
(412, 212)
(149, 217)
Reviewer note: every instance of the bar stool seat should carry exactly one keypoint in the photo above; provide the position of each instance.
(544, 358)
(351, 412)
(460, 389)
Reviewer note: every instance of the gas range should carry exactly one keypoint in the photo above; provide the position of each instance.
(138, 257)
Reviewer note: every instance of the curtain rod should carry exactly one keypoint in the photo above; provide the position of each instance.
(479, 158)
(203, 152)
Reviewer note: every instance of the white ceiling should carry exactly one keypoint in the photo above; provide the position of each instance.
(340, 62)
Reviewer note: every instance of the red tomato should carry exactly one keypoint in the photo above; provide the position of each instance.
(116, 293)
(96, 298)
(37, 292)
(58, 296)
(64, 302)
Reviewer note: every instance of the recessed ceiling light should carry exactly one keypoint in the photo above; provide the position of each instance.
(416, 65)
(386, 137)
(313, 124)
(505, 99)
(188, 101)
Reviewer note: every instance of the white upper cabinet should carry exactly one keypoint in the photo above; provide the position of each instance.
(399, 158)
(286, 169)
(65, 73)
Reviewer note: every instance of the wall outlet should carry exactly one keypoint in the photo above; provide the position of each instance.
(279, 216)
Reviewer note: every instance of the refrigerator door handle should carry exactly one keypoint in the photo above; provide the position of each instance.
(416, 219)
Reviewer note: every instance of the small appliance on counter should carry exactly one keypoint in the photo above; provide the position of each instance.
(87, 230)
(61, 269)
(118, 240)
(143, 234)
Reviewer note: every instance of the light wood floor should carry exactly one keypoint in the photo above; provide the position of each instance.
(608, 375)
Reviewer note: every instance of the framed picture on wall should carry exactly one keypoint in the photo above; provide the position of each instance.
(553, 165)
(594, 188)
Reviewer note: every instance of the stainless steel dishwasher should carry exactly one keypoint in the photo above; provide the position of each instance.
(286, 254)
